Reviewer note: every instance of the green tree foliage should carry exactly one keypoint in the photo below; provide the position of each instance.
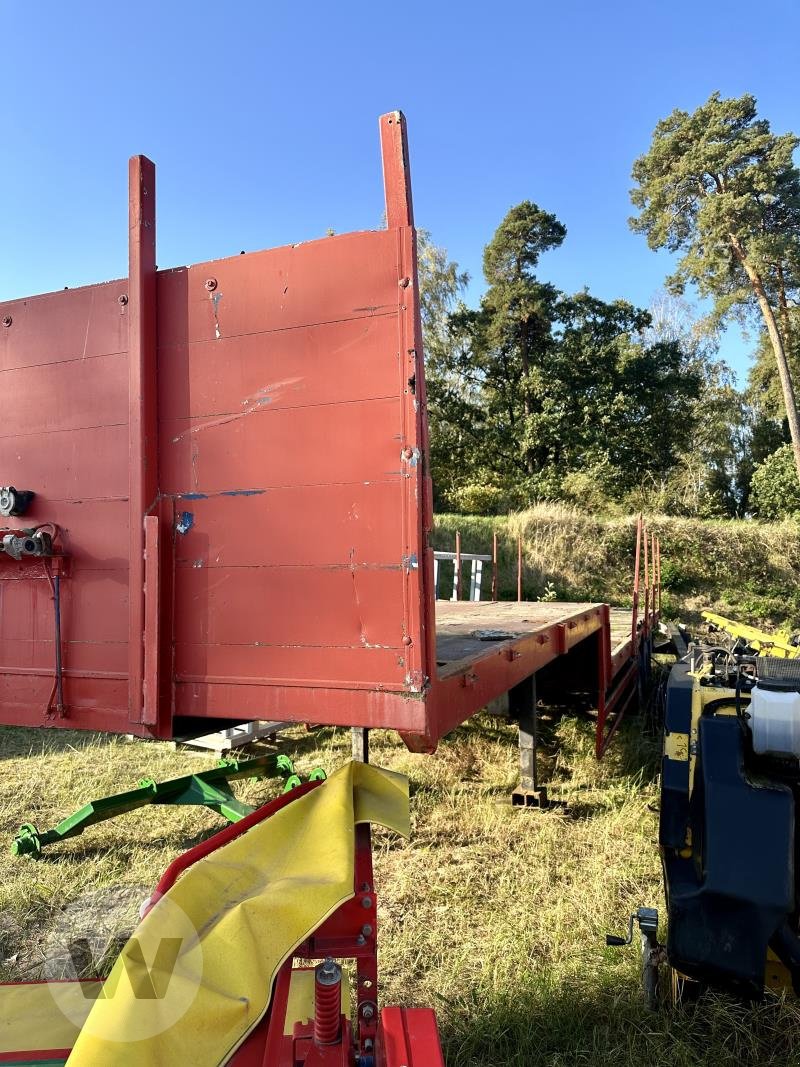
(516, 319)
(450, 401)
(541, 395)
(706, 480)
(775, 489)
(766, 425)
(719, 187)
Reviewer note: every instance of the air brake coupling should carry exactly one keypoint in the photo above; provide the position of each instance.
(14, 501)
(27, 543)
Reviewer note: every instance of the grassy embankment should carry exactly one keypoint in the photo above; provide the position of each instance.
(750, 570)
(492, 915)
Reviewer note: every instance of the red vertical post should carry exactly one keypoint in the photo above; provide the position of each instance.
(652, 578)
(645, 538)
(658, 573)
(636, 573)
(396, 171)
(152, 619)
(519, 568)
(418, 490)
(457, 565)
(142, 425)
(494, 566)
(604, 678)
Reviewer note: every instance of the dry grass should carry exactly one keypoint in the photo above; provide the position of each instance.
(494, 916)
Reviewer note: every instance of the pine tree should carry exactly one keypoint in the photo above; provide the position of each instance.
(720, 187)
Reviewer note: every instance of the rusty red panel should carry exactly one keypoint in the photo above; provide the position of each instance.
(64, 327)
(78, 465)
(323, 608)
(353, 276)
(64, 368)
(80, 657)
(308, 526)
(253, 450)
(94, 703)
(94, 533)
(329, 703)
(66, 396)
(286, 665)
(196, 383)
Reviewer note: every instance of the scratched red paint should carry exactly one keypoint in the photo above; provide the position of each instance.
(268, 412)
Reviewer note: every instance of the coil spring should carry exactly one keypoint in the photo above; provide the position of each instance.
(327, 1002)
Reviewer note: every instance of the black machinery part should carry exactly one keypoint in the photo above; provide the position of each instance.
(729, 899)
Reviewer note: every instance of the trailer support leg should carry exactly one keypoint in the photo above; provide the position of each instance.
(522, 707)
(360, 742)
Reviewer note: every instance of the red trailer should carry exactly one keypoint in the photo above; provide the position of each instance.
(232, 503)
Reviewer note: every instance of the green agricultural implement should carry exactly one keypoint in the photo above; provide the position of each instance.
(208, 789)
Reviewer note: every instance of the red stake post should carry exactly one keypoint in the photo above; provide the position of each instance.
(457, 565)
(494, 566)
(636, 574)
(646, 622)
(142, 426)
(519, 568)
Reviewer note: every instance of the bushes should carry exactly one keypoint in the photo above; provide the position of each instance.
(477, 498)
(775, 490)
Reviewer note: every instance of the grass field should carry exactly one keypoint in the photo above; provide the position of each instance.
(494, 916)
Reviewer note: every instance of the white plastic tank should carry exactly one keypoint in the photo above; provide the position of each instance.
(775, 721)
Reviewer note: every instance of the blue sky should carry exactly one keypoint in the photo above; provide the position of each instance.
(261, 118)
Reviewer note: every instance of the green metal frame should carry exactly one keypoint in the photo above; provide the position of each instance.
(208, 789)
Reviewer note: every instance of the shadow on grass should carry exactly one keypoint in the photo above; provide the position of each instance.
(76, 851)
(17, 741)
(635, 753)
(562, 1025)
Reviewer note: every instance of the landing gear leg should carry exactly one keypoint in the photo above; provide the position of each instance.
(522, 707)
(360, 742)
(652, 952)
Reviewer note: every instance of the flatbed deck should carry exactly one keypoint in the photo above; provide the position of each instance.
(467, 631)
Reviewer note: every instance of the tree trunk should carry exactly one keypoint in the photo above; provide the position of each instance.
(787, 386)
(783, 312)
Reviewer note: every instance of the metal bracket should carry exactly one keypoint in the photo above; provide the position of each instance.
(533, 798)
(647, 918)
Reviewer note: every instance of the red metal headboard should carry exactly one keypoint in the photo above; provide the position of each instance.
(234, 454)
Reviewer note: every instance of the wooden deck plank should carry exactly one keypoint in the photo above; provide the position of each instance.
(467, 631)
